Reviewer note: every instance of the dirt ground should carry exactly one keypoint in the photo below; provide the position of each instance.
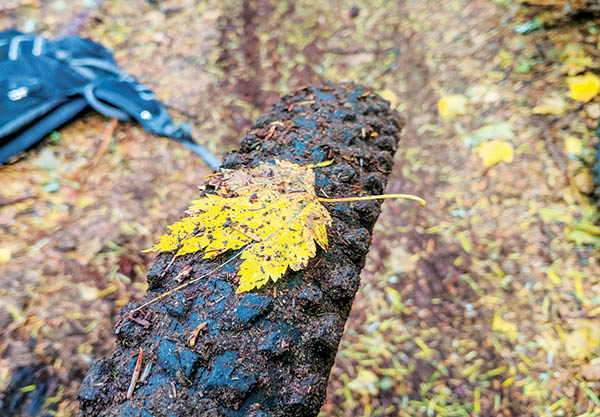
(484, 303)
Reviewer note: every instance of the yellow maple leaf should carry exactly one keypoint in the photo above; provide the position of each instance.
(584, 87)
(495, 151)
(276, 218)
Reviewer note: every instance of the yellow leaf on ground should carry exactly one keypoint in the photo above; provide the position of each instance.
(593, 110)
(552, 104)
(502, 326)
(364, 383)
(579, 344)
(584, 87)
(583, 341)
(495, 151)
(5, 255)
(452, 105)
(553, 276)
(390, 96)
(574, 59)
(401, 261)
(573, 145)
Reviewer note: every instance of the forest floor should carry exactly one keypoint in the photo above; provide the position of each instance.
(487, 302)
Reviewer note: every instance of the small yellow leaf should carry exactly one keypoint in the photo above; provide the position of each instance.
(582, 342)
(88, 293)
(5, 255)
(551, 105)
(502, 326)
(574, 59)
(593, 110)
(390, 96)
(452, 105)
(553, 276)
(584, 87)
(364, 383)
(573, 145)
(579, 344)
(582, 178)
(495, 151)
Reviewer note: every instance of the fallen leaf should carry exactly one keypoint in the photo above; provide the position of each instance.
(593, 110)
(581, 343)
(483, 93)
(573, 145)
(582, 177)
(552, 104)
(278, 229)
(276, 219)
(400, 261)
(5, 255)
(364, 383)
(47, 160)
(584, 87)
(452, 105)
(390, 96)
(581, 235)
(574, 59)
(271, 212)
(502, 326)
(495, 151)
(498, 130)
(528, 27)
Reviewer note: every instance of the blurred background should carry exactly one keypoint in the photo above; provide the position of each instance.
(485, 303)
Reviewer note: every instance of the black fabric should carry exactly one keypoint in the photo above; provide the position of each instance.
(44, 84)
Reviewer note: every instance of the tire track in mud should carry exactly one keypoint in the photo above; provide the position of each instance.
(251, 64)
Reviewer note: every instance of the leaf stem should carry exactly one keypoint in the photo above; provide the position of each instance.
(372, 197)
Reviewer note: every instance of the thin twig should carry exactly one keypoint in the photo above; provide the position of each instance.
(192, 340)
(105, 143)
(12, 201)
(136, 374)
(168, 266)
(82, 174)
